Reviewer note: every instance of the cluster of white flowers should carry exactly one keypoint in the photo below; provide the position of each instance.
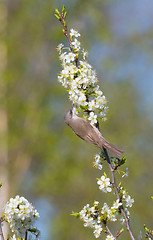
(91, 219)
(104, 184)
(110, 237)
(94, 216)
(98, 162)
(127, 198)
(79, 78)
(21, 215)
(111, 213)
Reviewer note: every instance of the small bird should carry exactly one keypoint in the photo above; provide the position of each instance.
(89, 133)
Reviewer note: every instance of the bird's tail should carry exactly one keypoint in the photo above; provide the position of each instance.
(111, 147)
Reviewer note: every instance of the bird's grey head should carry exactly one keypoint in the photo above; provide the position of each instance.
(68, 115)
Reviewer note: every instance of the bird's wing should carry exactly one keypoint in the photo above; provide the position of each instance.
(84, 130)
(93, 134)
(92, 140)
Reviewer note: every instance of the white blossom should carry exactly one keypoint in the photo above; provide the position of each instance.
(96, 202)
(59, 48)
(106, 209)
(85, 54)
(82, 213)
(97, 162)
(88, 222)
(62, 56)
(82, 99)
(21, 215)
(127, 212)
(91, 105)
(104, 184)
(74, 33)
(70, 57)
(98, 91)
(92, 118)
(13, 237)
(110, 237)
(110, 214)
(76, 44)
(126, 173)
(129, 201)
(122, 220)
(116, 204)
(97, 231)
(100, 101)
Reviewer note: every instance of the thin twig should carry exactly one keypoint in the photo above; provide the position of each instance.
(117, 195)
(68, 38)
(108, 230)
(66, 32)
(26, 234)
(150, 235)
(1, 231)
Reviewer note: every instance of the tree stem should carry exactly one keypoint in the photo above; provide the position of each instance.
(117, 194)
(108, 230)
(26, 235)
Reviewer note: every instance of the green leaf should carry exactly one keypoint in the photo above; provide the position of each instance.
(122, 230)
(102, 155)
(75, 214)
(65, 15)
(63, 8)
(105, 214)
(122, 161)
(146, 229)
(64, 22)
(58, 17)
(120, 194)
(58, 13)
(101, 218)
(84, 108)
(3, 216)
(0, 185)
(105, 175)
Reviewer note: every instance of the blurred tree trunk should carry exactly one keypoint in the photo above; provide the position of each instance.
(3, 114)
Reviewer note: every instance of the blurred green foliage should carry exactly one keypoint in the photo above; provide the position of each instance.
(45, 158)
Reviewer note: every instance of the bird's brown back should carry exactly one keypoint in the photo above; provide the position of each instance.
(85, 131)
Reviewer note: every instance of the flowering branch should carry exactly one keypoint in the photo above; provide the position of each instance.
(108, 230)
(21, 216)
(80, 80)
(149, 233)
(117, 195)
(62, 18)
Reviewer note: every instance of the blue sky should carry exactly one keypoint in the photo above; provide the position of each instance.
(130, 59)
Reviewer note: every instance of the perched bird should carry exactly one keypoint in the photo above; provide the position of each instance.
(89, 133)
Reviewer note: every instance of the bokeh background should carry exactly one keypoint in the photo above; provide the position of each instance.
(40, 157)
